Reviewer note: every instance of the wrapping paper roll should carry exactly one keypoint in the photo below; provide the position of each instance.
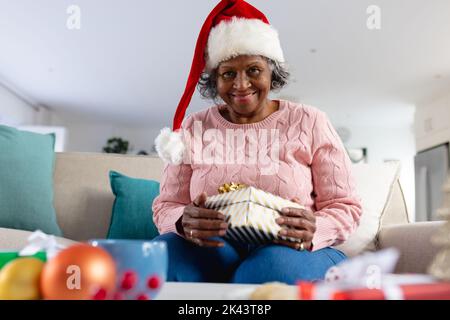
(251, 214)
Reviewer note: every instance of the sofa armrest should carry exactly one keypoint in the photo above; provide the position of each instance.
(413, 240)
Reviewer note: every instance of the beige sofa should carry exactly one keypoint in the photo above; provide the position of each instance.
(83, 202)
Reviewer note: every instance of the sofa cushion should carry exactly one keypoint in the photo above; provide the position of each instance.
(374, 184)
(26, 181)
(83, 197)
(414, 241)
(132, 214)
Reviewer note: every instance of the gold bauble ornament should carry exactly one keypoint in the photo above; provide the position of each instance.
(19, 279)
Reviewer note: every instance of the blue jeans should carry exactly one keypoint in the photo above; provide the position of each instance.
(238, 263)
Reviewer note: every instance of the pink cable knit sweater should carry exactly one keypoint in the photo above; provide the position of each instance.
(312, 165)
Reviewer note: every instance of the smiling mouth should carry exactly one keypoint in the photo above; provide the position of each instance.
(243, 96)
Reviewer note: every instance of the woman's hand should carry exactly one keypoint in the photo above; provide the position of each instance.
(302, 225)
(199, 223)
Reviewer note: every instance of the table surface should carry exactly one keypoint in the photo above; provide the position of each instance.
(205, 291)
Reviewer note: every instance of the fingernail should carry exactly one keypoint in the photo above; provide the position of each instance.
(285, 210)
(280, 220)
(283, 232)
(223, 225)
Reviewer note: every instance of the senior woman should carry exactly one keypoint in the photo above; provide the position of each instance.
(238, 60)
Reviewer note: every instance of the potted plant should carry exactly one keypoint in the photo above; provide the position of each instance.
(116, 145)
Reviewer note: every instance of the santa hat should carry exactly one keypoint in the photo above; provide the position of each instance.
(233, 28)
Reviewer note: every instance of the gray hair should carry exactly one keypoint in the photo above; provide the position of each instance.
(207, 84)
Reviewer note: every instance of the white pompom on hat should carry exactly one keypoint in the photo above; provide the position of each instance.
(170, 146)
(245, 31)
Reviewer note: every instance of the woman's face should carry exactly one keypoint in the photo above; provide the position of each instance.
(244, 83)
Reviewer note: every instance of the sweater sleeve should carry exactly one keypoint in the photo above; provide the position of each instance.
(338, 208)
(174, 190)
(174, 195)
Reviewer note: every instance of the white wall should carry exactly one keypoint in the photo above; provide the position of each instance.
(15, 111)
(84, 135)
(432, 122)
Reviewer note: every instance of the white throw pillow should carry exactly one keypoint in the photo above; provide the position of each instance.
(374, 184)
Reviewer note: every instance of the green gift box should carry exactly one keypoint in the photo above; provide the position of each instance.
(7, 256)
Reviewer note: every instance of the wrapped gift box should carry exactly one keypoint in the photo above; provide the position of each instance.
(251, 214)
(422, 291)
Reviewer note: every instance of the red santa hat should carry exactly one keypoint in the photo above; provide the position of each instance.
(233, 28)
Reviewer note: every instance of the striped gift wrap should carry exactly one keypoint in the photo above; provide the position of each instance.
(251, 214)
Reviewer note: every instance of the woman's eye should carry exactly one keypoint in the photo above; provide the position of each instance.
(254, 71)
(228, 75)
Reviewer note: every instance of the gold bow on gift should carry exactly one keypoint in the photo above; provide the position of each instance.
(232, 186)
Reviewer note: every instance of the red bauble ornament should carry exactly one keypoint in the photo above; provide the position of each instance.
(100, 294)
(142, 296)
(129, 280)
(80, 271)
(153, 282)
(118, 296)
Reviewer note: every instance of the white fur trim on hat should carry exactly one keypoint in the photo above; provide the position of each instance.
(240, 36)
(170, 146)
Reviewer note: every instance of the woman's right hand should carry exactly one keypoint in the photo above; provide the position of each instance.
(199, 223)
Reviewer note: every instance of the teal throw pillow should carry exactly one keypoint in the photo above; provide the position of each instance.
(132, 216)
(26, 181)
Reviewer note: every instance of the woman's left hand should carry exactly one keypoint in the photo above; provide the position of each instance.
(299, 224)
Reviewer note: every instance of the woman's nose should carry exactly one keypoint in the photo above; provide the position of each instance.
(241, 81)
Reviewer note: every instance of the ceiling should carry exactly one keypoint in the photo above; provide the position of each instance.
(129, 61)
